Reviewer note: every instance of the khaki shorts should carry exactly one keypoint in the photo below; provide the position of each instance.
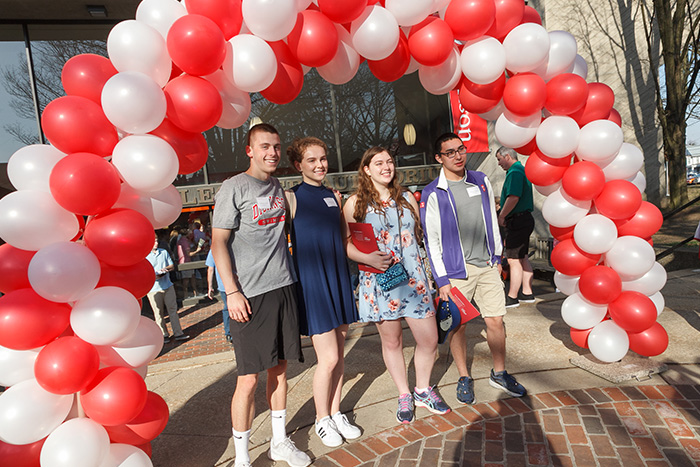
(484, 285)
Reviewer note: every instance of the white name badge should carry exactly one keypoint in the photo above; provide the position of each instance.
(330, 202)
(473, 191)
(263, 202)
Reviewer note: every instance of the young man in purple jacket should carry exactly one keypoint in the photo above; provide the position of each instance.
(464, 246)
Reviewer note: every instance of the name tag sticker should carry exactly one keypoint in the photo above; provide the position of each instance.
(473, 191)
(263, 203)
(330, 202)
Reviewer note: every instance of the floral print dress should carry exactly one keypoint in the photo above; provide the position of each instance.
(409, 300)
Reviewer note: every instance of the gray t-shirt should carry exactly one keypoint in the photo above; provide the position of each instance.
(255, 212)
(472, 232)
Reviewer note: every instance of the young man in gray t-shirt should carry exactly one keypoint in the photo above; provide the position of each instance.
(249, 246)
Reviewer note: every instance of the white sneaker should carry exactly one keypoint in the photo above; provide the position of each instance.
(288, 452)
(328, 432)
(347, 429)
(243, 464)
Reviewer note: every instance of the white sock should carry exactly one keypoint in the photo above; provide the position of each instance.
(421, 390)
(240, 443)
(279, 425)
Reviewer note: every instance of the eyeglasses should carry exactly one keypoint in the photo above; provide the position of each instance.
(451, 153)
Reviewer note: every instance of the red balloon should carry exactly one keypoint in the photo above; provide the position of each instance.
(599, 104)
(85, 183)
(146, 448)
(417, 195)
(194, 104)
(470, 19)
(566, 94)
(66, 365)
(530, 15)
(191, 148)
(430, 41)
(196, 45)
(30, 321)
(21, 455)
(529, 148)
(633, 311)
(13, 268)
(600, 284)
(650, 342)
(544, 171)
(568, 259)
(289, 78)
(492, 91)
(580, 337)
(146, 426)
(314, 39)
(584, 180)
(77, 124)
(342, 12)
(619, 199)
(615, 117)
(645, 222)
(472, 102)
(395, 65)
(226, 14)
(562, 233)
(85, 75)
(509, 14)
(115, 396)
(137, 278)
(119, 237)
(525, 94)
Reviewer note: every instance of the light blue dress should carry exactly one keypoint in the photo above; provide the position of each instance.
(411, 299)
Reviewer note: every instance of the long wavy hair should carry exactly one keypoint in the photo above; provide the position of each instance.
(368, 196)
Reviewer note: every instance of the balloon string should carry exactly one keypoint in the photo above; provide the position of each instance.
(81, 412)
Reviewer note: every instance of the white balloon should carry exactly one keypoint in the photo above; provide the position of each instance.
(580, 67)
(137, 349)
(631, 257)
(659, 302)
(80, 442)
(250, 63)
(599, 140)
(105, 316)
(145, 162)
(547, 189)
(483, 60)
(608, 342)
(561, 57)
(125, 455)
(558, 136)
(650, 283)
(29, 167)
(271, 20)
(526, 46)
(561, 210)
(344, 65)
(64, 272)
(639, 181)
(413, 66)
(514, 131)
(160, 14)
(142, 371)
(133, 102)
(303, 4)
(595, 234)
(162, 208)
(30, 220)
(579, 313)
(136, 46)
(408, 13)
(29, 413)
(441, 79)
(16, 365)
(375, 33)
(625, 164)
(567, 285)
(493, 114)
(236, 102)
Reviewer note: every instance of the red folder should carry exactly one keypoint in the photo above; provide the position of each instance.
(362, 236)
(466, 308)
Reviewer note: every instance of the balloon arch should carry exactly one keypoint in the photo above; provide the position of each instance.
(73, 346)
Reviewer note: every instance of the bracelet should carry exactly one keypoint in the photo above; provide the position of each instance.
(231, 293)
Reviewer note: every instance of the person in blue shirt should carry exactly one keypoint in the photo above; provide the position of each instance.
(211, 271)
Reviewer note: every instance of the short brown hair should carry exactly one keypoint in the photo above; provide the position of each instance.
(295, 152)
(261, 127)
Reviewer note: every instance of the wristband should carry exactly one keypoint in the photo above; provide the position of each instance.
(231, 293)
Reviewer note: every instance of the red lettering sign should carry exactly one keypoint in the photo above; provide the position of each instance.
(472, 129)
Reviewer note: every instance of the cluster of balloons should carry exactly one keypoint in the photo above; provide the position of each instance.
(73, 346)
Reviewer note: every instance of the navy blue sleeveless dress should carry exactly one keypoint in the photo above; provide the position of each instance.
(326, 298)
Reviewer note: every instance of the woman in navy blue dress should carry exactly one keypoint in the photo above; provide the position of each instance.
(326, 299)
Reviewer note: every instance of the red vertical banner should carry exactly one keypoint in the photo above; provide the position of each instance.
(472, 129)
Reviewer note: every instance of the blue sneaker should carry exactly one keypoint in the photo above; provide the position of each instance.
(507, 383)
(465, 390)
(404, 414)
(431, 401)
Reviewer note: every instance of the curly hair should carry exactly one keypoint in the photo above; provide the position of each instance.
(367, 195)
(295, 152)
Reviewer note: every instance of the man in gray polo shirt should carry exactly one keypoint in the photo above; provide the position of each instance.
(249, 246)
